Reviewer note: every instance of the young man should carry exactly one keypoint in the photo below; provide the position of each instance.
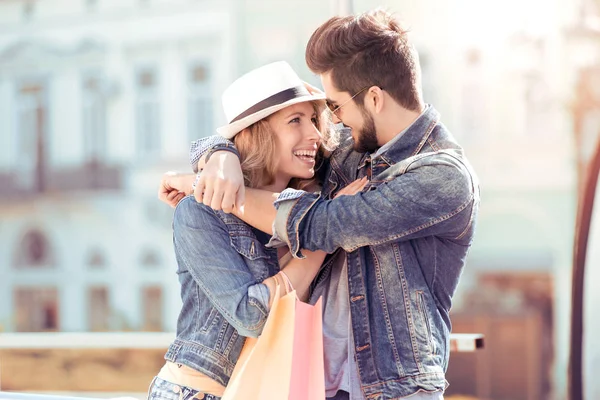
(405, 237)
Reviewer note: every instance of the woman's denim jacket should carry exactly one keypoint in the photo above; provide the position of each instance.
(406, 238)
(221, 262)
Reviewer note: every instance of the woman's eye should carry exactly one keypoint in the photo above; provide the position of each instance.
(315, 121)
(295, 120)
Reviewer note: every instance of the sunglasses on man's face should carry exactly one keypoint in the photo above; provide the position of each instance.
(334, 109)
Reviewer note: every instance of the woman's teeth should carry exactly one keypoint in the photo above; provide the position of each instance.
(306, 153)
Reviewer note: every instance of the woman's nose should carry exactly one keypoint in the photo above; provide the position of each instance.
(313, 133)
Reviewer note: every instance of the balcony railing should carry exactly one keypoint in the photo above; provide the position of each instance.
(86, 363)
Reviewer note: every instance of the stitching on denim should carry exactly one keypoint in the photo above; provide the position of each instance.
(388, 323)
(224, 312)
(418, 228)
(422, 307)
(198, 348)
(296, 228)
(338, 169)
(433, 144)
(232, 340)
(422, 374)
(430, 128)
(407, 305)
(211, 320)
(221, 334)
(472, 215)
(353, 316)
(434, 266)
(469, 224)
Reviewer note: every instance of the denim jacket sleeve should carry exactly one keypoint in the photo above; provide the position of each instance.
(199, 147)
(427, 199)
(203, 248)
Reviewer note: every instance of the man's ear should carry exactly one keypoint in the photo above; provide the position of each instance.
(376, 99)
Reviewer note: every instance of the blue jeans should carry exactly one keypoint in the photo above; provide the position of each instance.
(163, 390)
(340, 395)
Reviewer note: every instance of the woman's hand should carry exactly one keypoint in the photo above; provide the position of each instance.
(355, 187)
(174, 186)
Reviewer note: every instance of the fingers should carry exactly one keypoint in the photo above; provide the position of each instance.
(172, 195)
(208, 193)
(217, 197)
(177, 199)
(312, 89)
(228, 200)
(240, 198)
(355, 187)
(164, 189)
(199, 190)
(361, 185)
(351, 188)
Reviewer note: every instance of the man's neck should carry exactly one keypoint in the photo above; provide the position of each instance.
(396, 123)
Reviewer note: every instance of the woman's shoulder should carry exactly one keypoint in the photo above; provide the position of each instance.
(196, 215)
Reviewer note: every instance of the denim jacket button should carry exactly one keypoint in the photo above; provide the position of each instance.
(176, 389)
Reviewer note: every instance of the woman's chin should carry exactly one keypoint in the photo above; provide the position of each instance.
(306, 174)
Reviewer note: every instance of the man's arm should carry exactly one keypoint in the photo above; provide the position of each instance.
(260, 212)
(427, 200)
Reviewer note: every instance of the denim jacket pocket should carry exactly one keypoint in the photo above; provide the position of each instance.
(213, 319)
(248, 247)
(425, 316)
(258, 260)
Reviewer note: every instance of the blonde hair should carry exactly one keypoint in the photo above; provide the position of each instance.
(257, 150)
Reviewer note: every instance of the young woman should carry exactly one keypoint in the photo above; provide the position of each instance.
(227, 274)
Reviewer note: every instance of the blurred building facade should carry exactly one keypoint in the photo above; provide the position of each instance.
(98, 98)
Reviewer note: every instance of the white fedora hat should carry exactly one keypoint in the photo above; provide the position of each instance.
(260, 93)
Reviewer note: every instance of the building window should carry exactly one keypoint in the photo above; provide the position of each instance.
(96, 260)
(99, 309)
(94, 118)
(28, 9)
(31, 136)
(36, 309)
(152, 301)
(91, 4)
(34, 251)
(200, 110)
(147, 111)
(150, 259)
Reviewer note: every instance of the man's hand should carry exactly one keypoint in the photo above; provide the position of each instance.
(355, 187)
(221, 183)
(175, 186)
(313, 89)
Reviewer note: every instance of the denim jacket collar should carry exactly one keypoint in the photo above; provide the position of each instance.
(413, 139)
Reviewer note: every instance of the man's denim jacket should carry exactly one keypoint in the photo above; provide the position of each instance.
(221, 263)
(406, 237)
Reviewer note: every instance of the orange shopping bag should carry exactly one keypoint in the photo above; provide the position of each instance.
(286, 361)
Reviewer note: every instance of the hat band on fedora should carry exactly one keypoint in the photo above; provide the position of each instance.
(276, 99)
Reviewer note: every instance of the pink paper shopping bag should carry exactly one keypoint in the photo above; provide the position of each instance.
(286, 361)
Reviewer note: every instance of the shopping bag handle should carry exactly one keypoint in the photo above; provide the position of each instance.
(286, 280)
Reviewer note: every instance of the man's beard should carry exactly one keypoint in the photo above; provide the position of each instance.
(366, 137)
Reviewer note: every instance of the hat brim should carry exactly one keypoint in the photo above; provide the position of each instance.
(230, 130)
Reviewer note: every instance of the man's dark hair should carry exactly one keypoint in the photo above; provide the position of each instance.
(370, 49)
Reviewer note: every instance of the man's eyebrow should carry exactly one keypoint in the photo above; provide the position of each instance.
(333, 102)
